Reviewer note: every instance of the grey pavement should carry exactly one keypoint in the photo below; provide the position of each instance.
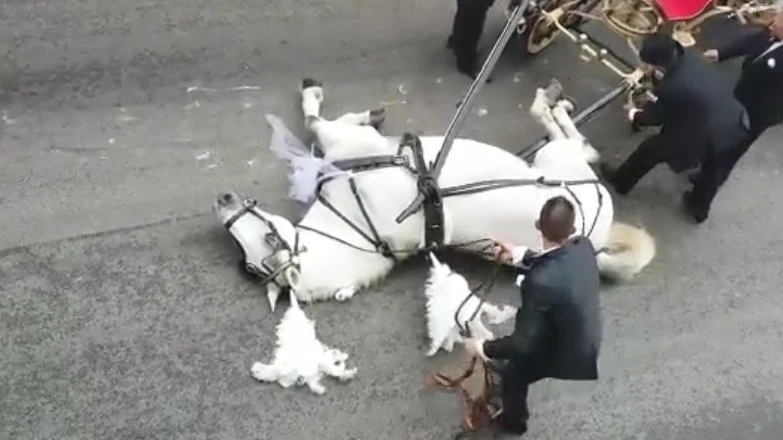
(122, 314)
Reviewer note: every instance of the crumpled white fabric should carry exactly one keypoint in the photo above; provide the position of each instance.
(305, 166)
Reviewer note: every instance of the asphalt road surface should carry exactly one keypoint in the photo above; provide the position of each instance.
(122, 314)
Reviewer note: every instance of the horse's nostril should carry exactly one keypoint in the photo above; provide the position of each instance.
(226, 197)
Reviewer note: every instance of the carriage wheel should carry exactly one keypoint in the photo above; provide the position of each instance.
(541, 33)
(631, 18)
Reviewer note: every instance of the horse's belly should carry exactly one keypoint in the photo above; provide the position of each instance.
(510, 214)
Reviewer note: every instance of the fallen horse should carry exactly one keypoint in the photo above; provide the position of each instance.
(348, 238)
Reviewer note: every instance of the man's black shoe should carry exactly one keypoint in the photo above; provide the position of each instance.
(472, 72)
(699, 215)
(609, 172)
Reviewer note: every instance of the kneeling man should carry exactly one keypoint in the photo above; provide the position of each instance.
(557, 332)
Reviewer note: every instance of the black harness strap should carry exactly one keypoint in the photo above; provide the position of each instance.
(379, 245)
(434, 216)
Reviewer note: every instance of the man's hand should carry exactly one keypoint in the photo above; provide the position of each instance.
(712, 55)
(503, 251)
(475, 347)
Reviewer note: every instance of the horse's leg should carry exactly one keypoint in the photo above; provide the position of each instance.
(312, 97)
(561, 113)
(541, 112)
(347, 131)
(374, 118)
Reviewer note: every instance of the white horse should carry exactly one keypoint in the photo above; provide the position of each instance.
(335, 249)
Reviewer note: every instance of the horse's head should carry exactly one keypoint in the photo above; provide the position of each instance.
(269, 243)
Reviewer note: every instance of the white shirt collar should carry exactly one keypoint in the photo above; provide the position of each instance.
(777, 43)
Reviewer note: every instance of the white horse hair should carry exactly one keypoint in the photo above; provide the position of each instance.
(300, 358)
(329, 268)
(449, 299)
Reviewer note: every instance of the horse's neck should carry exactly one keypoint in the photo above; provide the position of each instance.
(327, 264)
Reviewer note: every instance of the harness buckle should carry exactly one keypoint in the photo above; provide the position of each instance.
(385, 250)
(400, 160)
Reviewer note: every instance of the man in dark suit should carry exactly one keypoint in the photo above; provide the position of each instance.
(700, 123)
(466, 33)
(760, 86)
(557, 332)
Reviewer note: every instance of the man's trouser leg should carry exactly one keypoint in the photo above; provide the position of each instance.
(638, 164)
(466, 33)
(715, 169)
(740, 151)
(515, 382)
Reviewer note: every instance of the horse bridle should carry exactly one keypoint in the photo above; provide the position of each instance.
(274, 239)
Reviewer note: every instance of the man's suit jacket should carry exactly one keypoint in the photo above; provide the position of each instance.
(558, 327)
(695, 110)
(760, 87)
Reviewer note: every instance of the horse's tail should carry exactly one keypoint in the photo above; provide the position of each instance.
(627, 251)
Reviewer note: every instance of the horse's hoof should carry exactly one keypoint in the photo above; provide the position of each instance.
(377, 117)
(310, 82)
(553, 92)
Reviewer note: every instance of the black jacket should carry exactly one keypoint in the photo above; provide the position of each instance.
(695, 110)
(558, 326)
(760, 87)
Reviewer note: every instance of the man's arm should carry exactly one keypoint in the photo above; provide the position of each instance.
(530, 330)
(741, 46)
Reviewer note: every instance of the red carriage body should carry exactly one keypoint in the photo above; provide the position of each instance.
(682, 10)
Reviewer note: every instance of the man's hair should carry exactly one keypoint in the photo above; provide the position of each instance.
(556, 221)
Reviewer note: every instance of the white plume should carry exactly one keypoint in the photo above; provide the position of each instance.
(305, 166)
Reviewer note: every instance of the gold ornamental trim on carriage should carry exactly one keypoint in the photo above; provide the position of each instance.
(635, 18)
